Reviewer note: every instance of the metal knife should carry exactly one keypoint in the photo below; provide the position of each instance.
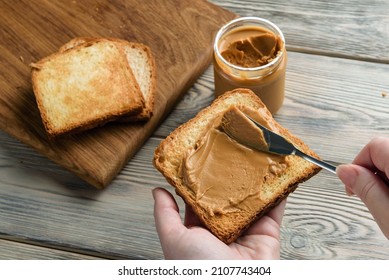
(279, 145)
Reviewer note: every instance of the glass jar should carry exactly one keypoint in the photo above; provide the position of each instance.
(267, 80)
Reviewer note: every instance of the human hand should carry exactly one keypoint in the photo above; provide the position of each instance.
(192, 241)
(367, 177)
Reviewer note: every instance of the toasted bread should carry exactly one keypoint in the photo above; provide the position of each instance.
(85, 86)
(142, 63)
(228, 226)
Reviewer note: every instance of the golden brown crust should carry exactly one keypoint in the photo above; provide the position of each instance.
(170, 152)
(149, 98)
(50, 73)
(75, 42)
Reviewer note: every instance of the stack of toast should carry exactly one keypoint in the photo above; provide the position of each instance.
(91, 81)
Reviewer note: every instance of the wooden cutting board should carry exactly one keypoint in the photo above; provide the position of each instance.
(179, 32)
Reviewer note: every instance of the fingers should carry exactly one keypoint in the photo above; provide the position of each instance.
(368, 177)
(166, 215)
(165, 203)
(370, 188)
(374, 156)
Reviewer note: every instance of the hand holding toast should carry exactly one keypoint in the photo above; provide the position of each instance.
(367, 177)
(192, 241)
(228, 205)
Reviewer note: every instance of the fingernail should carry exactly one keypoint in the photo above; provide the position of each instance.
(346, 174)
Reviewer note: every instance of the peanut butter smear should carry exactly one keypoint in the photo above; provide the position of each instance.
(236, 125)
(257, 49)
(225, 176)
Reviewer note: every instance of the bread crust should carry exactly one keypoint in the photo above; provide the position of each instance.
(147, 111)
(46, 85)
(171, 151)
(149, 97)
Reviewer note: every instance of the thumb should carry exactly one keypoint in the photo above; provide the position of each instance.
(370, 188)
(167, 218)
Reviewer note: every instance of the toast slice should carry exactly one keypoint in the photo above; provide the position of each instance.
(229, 223)
(85, 86)
(142, 63)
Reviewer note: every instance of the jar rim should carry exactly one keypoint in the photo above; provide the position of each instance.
(225, 28)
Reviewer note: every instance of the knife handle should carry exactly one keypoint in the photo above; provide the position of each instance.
(329, 167)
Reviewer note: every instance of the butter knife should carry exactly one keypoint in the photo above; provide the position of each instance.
(279, 145)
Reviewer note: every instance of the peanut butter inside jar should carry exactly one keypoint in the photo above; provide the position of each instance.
(250, 52)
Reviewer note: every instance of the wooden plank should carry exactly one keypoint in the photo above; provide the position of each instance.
(328, 102)
(354, 29)
(30, 30)
(311, 229)
(49, 206)
(11, 250)
(322, 222)
(333, 109)
(336, 106)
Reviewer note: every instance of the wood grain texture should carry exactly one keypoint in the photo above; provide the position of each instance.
(334, 104)
(322, 222)
(336, 111)
(60, 211)
(12, 250)
(328, 101)
(31, 30)
(351, 28)
(51, 206)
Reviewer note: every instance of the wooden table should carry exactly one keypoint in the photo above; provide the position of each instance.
(337, 81)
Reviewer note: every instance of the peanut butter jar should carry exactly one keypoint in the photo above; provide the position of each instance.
(249, 52)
